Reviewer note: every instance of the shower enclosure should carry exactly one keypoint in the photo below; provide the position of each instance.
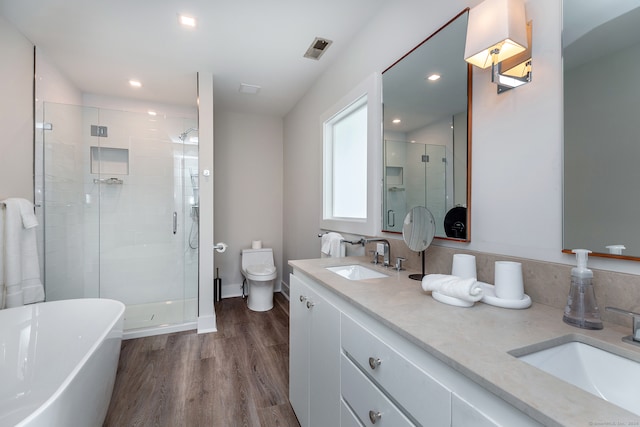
(119, 196)
(415, 175)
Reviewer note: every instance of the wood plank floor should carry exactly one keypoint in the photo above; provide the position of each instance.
(237, 376)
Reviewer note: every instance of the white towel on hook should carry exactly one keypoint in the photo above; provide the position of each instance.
(21, 266)
(332, 245)
(453, 286)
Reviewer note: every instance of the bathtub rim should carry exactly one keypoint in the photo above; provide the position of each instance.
(81, 363)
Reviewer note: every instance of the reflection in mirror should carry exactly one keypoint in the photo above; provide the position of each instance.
(426, 123)
(418, 231)
(601, 50)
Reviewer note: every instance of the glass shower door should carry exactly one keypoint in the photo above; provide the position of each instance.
(125, 183)
(144, 222)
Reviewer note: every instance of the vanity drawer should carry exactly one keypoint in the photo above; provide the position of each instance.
(427, 400)
(366, 401)
(347, 417)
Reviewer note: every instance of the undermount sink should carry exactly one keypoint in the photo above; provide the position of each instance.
(604, 374)
(356, 272)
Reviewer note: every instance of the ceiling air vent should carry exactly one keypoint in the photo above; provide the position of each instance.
(317, 48)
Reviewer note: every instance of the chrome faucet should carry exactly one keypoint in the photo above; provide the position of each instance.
(634, 338)
(387, 250)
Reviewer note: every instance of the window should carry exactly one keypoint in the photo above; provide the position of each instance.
(351, 159)
(346, 152)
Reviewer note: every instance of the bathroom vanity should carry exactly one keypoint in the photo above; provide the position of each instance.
(383, 352)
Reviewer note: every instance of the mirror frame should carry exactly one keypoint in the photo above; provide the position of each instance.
(469, 125)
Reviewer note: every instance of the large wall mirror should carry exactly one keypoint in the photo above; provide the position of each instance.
(427, 120)
(601, 56)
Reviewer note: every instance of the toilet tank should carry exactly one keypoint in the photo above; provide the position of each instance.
(257, 256)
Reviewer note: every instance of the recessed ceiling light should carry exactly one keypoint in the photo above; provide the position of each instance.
(249, 89)
(152, 113)
(433, 77)
(187, 21)
(135, 83)
(396, 121)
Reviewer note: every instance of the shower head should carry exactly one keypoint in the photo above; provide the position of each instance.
(184, 134)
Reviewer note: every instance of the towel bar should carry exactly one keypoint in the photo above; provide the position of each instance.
(108, 181)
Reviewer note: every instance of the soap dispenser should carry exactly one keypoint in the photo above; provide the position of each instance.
(582, 308)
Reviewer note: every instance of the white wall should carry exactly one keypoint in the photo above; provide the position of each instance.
(248, 190)
(16, 87)
(396, 29)
(516, 204)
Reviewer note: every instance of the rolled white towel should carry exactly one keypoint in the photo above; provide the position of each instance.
(453, 286)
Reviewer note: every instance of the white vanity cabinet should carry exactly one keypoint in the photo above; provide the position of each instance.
(349, 369)
(314, 357)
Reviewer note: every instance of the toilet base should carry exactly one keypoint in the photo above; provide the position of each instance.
(260, 295)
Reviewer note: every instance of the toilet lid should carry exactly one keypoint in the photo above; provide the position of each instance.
(261, 269)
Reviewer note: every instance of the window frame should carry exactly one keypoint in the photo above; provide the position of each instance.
(366, 93)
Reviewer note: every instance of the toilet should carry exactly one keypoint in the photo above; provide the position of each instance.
(260, 273)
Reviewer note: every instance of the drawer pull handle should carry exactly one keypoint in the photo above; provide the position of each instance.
(302, 298)
(310, 304)
(374, 416)
(374, 362)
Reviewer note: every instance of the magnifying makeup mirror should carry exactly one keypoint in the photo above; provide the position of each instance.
(418, 231)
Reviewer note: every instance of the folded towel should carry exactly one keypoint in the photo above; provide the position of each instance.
(453, 286)
(27, 214)
(332, 245)
(21, 267)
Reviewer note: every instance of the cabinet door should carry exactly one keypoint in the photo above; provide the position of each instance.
(324, 362)
(314, 357)
(299, 350)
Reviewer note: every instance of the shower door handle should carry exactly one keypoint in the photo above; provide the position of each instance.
(175, 222)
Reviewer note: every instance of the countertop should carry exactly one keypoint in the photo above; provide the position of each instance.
(476, 341)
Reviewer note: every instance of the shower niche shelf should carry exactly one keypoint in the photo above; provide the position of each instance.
(109, 161)
(395, 175)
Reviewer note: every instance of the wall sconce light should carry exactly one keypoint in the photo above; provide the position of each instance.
(498, 35)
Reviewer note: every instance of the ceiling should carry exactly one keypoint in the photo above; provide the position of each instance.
(101, 44)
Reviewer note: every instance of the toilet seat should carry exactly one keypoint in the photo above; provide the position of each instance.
(261, 272)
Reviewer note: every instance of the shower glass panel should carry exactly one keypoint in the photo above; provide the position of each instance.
(120, 212)
(415, 175)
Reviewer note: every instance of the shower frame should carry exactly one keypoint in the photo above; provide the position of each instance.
(84, 210)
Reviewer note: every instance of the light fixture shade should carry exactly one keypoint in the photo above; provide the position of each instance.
(519, 65)
(495, 24)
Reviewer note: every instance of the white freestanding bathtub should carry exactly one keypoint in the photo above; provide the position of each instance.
(58, 362)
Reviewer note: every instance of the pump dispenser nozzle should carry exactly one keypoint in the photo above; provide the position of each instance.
(582, 309)
(581, 269)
